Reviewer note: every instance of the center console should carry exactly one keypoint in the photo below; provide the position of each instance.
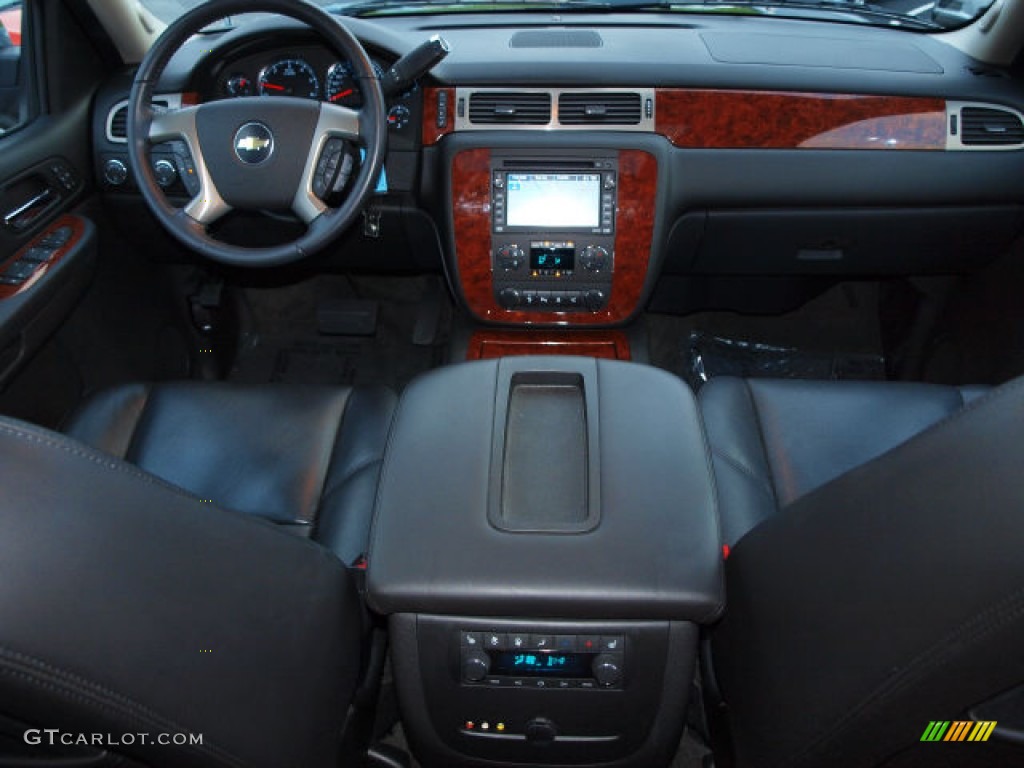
(546, 236)
(545, 548)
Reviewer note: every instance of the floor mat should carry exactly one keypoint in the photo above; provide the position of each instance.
(836, 335)
(283, 344)
(707, 356)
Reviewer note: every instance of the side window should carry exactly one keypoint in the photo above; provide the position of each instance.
(14, 89)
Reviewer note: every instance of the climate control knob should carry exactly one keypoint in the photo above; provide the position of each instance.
(510, 257)
(594, 299)
(509, 298)
(475, 665)
(607, 669)
(594, 258)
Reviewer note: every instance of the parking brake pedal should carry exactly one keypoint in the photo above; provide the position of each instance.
(347, 317)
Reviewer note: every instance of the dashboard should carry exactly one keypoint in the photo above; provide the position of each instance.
(737, 147)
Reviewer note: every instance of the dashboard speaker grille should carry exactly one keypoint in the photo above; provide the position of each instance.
(981, 126)
(600, 108)
(510, 107)
(556, 38)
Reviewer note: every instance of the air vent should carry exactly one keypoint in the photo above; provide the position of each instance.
(981, 126)
(117, 119)
(513, 108)
(603, 108)
(119, 124)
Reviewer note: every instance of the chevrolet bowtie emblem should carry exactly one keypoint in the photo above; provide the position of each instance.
(254, 143)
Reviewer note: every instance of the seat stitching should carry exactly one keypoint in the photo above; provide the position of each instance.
(976, 628)
(760, 482)
(338, 438)
(764, 443)
(96, 457)
(129, 449)
(350, 474)
(39, 673)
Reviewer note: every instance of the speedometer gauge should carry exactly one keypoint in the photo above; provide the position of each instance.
(341, 86)
(289, 77)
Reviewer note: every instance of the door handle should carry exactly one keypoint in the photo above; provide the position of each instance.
(27, 212)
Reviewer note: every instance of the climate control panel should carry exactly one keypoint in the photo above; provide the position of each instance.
(541, 661)
(552, 275)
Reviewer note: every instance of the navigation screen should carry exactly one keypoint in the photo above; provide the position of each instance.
(541, 200)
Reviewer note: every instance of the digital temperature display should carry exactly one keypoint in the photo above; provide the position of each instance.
(541, 664)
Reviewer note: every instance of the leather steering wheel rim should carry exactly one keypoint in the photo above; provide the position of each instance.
(324, 224)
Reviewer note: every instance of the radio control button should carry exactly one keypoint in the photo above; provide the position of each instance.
(510, 298)
(494, 682)
(564, 684)
(471, 639)
(518, 682)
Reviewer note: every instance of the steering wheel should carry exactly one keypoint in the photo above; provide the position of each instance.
(257, 153)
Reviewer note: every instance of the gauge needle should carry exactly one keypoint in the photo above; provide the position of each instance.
(273, 87)
(343, 94)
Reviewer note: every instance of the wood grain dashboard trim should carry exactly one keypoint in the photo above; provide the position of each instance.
(607, 345)
(714, 119)
(431, 133)
(697, 118)
(634, 232)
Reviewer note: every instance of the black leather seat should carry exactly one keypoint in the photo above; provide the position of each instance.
(307, 458)
(773, 441)
(875, 582)
(145, 598)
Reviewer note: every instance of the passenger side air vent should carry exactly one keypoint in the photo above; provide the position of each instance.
(600, 108)
(513, 108)
(117, 118)
(983, 126)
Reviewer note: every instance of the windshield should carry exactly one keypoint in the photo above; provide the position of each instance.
(937, 15)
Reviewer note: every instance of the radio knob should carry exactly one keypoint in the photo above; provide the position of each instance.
(594, 299)
(607, 669)
(594, 258)
(509, 298)
(475, 665)
(510, 257)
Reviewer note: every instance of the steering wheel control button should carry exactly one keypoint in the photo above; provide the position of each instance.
(254, 143)
(324, 175)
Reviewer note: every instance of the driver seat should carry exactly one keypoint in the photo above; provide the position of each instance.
(305, 458)
(152, 611)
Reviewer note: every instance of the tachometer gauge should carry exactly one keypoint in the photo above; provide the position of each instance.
(341, 87)
(289, 77)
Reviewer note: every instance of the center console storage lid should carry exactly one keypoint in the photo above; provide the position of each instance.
(547, 487)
